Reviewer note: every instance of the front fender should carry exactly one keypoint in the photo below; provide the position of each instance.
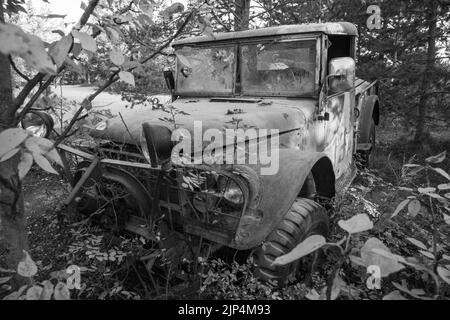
(278, 193)
(130, 182)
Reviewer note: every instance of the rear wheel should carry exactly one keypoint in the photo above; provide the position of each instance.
(305, 218)
(368, 156)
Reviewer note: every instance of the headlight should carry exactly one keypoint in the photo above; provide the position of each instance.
(101, 126)
(231, 191)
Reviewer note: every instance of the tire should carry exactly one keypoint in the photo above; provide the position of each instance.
(305, 218)
(43, 119)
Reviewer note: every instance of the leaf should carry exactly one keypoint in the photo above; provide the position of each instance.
(16, 294)
(444, 273)
(434, 196)
(357, 224)
(42, 162)
(338, 285)
(437, 159)
(53, 156)
(417, 243)
(27, 268)
(86, 104)
(400, 207)
(117, 57)
(127, 77)
(59, 50)
(61, 292)
(10, 154)
(5, 280)
(29, 47)
(446, 218)
(426, 190)
(11, 139)
(171, 10)
(205, 25)
(113, 34)
(410, 292)
(47, 292)
(394, 295)
(419, 292)
(427, 254)
(183, 60)
(313, 295)
(87, 42)
(389, 255)
(73, 66)
(357, 261)
(34, 293)
(38, 145)
(442, 173)
(147, 8)
(414, 207)
(387, 265)
(25, 164)
(308, 246)
(444, 187)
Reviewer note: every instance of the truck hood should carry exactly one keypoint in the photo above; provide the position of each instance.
(286, 115)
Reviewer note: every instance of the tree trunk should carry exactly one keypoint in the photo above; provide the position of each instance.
(428, 73)
(12, 216)
(242, 16)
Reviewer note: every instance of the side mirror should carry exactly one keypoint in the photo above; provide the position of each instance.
(342, 75)
(170, 80)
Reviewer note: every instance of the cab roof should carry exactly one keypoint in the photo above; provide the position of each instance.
(331, 28)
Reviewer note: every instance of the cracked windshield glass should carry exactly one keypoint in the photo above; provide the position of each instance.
(206, 70)
(279, 68)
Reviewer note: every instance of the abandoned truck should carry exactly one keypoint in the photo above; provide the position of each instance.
(299, 79)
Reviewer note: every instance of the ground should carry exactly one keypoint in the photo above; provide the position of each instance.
(116, 266)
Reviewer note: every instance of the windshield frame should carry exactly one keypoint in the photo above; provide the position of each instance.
(285, 40)
(194, 93)
(237, 72)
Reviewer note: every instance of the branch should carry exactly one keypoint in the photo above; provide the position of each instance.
(114, 78)
(20, 99)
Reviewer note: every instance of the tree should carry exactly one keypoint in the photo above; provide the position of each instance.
(18, 149)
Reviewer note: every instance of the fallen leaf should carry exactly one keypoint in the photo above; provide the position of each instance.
(61, 292)
(400, 207)
(308, 246)
(357, 224)
(394, 295)
(417, 243)
(34, 293)
(444, 273)
(387, 265)
(437, 159)
(27, 268)
(414, 207)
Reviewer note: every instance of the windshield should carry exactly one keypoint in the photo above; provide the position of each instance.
(279, 68)
(206, 71)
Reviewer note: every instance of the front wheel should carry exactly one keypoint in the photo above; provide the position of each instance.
(305, 218)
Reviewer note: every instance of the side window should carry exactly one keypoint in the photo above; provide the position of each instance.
(340, 46)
